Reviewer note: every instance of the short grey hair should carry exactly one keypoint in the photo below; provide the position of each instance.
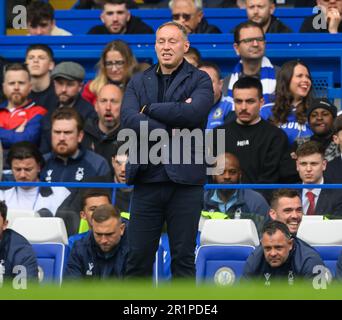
(198, 4)
(177, 25)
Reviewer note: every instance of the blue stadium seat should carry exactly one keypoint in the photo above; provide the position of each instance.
(51, 261)
(329, 255)
(321, 81)
(221, 264)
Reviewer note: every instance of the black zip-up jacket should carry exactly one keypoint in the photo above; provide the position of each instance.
(95, 140)
(134, 26)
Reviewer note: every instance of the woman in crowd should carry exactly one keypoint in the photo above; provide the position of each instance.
(116, 66)
(293, 97)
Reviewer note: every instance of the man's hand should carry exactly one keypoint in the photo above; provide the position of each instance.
(189, 100)
(21, 128)
(333, 20)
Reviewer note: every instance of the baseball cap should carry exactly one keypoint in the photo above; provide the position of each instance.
(324, 104)
(68, 70)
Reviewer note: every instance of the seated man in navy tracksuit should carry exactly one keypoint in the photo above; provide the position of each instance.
(103, 252)
(281, 257)
(15, 251)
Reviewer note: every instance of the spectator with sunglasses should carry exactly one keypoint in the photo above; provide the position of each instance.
(189, 14)
(117, 19)
(41, 20)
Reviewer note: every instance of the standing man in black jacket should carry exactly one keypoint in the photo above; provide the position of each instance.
(117, 19)
(169, 96)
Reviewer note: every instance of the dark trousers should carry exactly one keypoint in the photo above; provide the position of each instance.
(153, 204)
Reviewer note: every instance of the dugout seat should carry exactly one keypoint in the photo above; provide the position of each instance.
(40, 230)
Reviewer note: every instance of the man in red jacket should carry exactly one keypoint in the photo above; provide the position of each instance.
(20, 119)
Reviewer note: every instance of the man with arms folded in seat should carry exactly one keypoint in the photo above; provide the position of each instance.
(281, 257)
(15, 251)
(103, 252)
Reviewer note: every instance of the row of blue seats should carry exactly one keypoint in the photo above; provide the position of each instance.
(322, 52)
(80, 21)
(221, 264)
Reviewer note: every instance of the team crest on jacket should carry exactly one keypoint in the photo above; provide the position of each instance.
(267, 277)
(79, 174)
(48, 175)
(218, 113)
(90, 269)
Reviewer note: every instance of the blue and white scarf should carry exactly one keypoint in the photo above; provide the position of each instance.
(267, 78)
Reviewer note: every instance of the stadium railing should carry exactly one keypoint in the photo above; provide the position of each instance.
(80, 21)
(322, 53)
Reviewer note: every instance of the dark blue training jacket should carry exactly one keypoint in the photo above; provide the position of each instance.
(15, 250)
(88, 260)
(300, 264)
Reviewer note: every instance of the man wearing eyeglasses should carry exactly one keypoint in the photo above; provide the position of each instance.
(249, 45)
(189, 13)
(117, 19)
(328, 19)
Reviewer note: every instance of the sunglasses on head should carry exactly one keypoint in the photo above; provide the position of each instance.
(185, 16)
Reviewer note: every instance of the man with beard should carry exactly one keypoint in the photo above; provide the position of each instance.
(100, 133)
(68, 162)
(280, 257)
(261, 12)
(249, 44)
(233, 203)
(68, 80)
(117, 19)
(21, 119)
